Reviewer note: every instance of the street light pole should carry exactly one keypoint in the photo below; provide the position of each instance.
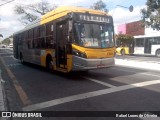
(130, 8)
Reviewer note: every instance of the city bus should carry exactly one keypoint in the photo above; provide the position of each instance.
(68, 39)
(147, 45)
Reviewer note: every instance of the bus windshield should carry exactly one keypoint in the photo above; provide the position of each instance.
(94, 35)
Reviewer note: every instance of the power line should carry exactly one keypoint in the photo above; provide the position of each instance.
(6, 2)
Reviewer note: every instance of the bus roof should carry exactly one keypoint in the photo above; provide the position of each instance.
(64, 10)
(60, 12)
(147, 36)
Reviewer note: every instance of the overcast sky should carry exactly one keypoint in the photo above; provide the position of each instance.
(9, 22)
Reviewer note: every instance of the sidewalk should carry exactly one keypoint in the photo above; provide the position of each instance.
(2, 98)
(2, 107)
(139, 64)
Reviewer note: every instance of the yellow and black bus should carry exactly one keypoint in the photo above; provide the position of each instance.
(68, 39)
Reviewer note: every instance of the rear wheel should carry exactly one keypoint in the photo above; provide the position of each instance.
(21, 58)
(158, 53)
(122, 52)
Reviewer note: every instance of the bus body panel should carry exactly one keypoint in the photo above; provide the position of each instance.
(44, 54)
(96, 53)
(147, 44)
(119, 49)
(154, 48)
(138, 50)
(85, 64)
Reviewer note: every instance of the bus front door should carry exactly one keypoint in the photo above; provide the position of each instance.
(61, 57)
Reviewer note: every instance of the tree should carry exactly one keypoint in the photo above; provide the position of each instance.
(32, 12)
(7, 41)
(151, 15)
(124, 39)
(99, 5)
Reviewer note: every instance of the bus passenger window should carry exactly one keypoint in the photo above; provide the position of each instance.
(42, 42)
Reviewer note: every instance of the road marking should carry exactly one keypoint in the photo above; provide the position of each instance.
(97, 81)
(23, 96)
(16, 64)
(123, 70)
(59, 101)
(11, 57)
(150, 74)
(138, 73)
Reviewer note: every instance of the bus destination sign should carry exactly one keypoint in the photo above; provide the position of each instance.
(95, 18)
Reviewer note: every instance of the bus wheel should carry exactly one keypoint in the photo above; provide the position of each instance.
(122, 52)
(21, 58)
(49, 64)
(158, 53)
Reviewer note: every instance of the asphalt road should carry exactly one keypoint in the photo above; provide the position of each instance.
(139, 58)
(30, 88)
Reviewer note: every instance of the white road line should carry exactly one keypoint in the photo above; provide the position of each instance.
(12, 57)
(100, 82)
(137, 73)
(150, 74)
(9, 56)
(59, 101)
(123, 70)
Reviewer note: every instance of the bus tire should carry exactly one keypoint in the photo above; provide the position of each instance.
(49, 63)
(122, 52)
(158, 53)
(21, 58)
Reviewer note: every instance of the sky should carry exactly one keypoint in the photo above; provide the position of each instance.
(9, 22)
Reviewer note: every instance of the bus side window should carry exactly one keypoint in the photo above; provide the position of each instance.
(49, 35)
(30, 40)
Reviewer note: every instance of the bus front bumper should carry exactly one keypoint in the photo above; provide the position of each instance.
(86, 64)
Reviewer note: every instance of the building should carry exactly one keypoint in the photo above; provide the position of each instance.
(133, 28)
(136, 29)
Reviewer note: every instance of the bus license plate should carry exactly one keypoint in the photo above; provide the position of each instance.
(100, 65)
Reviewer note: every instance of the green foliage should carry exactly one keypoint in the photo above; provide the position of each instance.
(124, 39)
(7, 41)
(151, 15)
(99, 5)
(32, 12)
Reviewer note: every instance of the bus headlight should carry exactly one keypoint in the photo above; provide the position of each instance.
(79, 54)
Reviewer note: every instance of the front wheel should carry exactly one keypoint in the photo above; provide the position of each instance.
(158, 53)
(49, 65)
